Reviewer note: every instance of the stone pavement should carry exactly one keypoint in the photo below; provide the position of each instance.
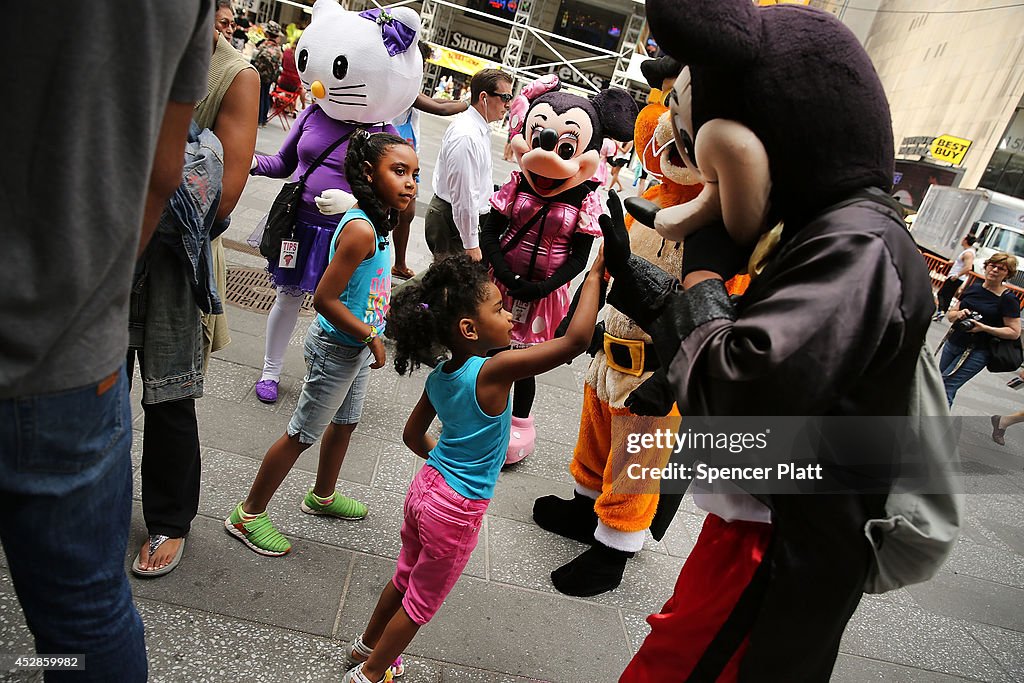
(227, 614)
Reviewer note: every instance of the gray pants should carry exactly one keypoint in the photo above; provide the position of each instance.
(439, 228)
(443, 238)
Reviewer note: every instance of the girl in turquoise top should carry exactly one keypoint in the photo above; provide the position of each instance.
(343, 343)
(455, 305)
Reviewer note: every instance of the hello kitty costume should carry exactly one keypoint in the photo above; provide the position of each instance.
(363, 69)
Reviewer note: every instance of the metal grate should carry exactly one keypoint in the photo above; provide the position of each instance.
(243, 247)
(249, 288)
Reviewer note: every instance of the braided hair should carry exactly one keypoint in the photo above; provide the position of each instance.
(424, 314)
(369, 148)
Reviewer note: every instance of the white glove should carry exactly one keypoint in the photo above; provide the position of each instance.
(334, 201)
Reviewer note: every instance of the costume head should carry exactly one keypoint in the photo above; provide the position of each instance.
(778, 107)
(653, 137)
(362, 67)
(558, 139)
(656, 147)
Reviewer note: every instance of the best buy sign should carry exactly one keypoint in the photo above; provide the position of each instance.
(950, 149)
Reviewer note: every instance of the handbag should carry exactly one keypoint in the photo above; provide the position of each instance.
(920, 529)
(1004, 355)
(280, 222)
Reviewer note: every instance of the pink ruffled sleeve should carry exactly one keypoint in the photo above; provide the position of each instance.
(503, 198)
(590, 211)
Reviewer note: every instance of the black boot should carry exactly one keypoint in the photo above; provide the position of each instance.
(573, 519)
(598, 570)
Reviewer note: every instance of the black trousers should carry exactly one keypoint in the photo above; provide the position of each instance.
(799, 601)
(171, 466)
(946, 292)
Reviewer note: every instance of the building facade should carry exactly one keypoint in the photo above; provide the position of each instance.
(954, 76)
(953, 70)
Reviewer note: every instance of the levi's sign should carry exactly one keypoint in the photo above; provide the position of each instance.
(490, 51)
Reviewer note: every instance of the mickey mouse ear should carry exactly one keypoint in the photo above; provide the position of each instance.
(714, 32)
(655, 71)
(618, 112)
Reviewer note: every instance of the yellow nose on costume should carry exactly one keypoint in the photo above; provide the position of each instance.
(318, 90)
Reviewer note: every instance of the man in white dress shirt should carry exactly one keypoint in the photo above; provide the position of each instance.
(463, 182)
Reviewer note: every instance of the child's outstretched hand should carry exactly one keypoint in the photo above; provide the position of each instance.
(598, 265)
(380, 356)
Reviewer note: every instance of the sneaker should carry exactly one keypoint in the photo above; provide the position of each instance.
(259, 533)
(356, 676)
(1015, 383)
(266, 390)
(341, 507)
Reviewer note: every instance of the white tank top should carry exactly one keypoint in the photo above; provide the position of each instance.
(958, 265)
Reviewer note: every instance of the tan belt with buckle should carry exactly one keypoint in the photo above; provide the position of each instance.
(637, 354)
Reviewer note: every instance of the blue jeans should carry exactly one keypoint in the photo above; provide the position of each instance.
(334, 389)
(65, 507)
(974, 363)
(265, 100)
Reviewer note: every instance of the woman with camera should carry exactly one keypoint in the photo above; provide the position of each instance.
(986, 310)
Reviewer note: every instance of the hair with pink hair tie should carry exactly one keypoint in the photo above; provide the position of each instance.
(517, 108)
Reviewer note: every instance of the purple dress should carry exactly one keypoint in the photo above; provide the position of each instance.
(312, 132)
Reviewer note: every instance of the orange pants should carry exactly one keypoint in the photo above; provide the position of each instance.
(599, 456)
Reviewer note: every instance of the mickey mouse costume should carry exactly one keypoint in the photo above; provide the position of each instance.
(783, 115)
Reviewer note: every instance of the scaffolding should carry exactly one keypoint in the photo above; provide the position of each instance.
(519, 37)
(627, 48)
(435, 27)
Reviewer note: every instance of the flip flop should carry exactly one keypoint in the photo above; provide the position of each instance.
(155, 541)
(997, 433)
(403, 273)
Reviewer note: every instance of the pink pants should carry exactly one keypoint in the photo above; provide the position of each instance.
(438, 535)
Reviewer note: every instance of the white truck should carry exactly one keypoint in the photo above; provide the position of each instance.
(948, 214)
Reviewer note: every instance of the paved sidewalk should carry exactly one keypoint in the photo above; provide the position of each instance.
(227, 614)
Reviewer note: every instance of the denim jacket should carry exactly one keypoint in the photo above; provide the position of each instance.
(174, 280)
(189, 217)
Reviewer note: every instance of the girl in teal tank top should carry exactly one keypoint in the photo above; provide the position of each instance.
(458, 307)
(342, 345)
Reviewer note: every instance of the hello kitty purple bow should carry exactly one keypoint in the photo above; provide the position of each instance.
(397, 36)
(517, 109)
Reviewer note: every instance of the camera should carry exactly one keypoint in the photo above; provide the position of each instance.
(967, 323)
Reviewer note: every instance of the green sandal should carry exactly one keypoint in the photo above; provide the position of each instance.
(258, 533)
(340, 506)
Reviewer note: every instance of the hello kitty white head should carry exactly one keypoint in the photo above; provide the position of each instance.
(361, 66)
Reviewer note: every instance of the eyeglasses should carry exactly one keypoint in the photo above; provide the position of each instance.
(224, 23)
(505, 96)
(998, 266)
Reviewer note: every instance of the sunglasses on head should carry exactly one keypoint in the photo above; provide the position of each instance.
(505, 96)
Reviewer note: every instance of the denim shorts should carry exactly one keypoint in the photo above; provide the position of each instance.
(334, 388)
